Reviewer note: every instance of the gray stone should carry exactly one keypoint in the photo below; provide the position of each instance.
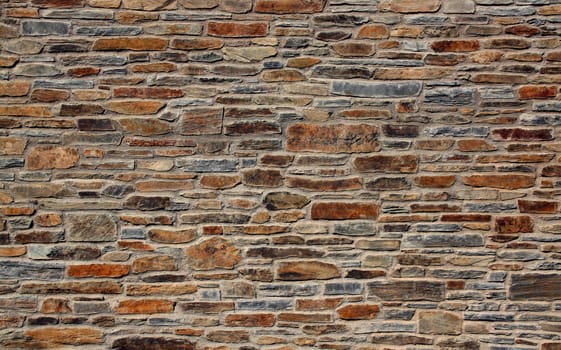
(81, 138)
(207, 165)
(90, 228)
(97, 60)
(520, 255)
(490, 207)
(287, 290)
(6, 163)
(24, 47)
(202, 218)
(488, 317)
(45, 28)
(91, 307)
(62, 252)
(547, 107)
(532, 119)
(343, 288)
(355, 228)
(376, 90)
(438, 228)
(458, 6)
(340, 20)
(79, 14)
(341, 72)
(475, 131)
(64, 84)
(458, 274)
(450, 96)
(264, 305)
(496, 93)
(108, 31)
(507, 11)
(443, 240)
(36, 70)
(30, 271)
(385, 327)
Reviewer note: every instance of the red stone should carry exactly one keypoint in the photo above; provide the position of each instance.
(344, 210)
(237, 29)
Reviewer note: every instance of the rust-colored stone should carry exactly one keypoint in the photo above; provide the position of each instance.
(344, 210)
(213, 253)
(51, 157)
(359, 312)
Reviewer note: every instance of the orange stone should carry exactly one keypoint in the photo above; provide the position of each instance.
(213, 253)
(289, 6)
(66, 335)
(154, 263)
(250, 320)
(14, 88)
(282, 75)
(513, 224)
(197, 44)
(25, 111)
(134, 44)
(135, 107)
(344, 210)
(237, 29)
(332, 138)
(97, 270)
(18, 211)
(537, 207)
(359, 312)
(501, 181)
(172, 237)
(306, 270)
(49, 95)
(144, 306)
(48, 220)
(442, 181)
(14, 251)
(55, 305)
(373, 31)
(475, 145)
(220, 181)
(51, 157)
(529, 92)
(160, 67)
(455, 45)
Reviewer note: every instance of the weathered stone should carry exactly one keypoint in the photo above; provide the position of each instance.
(285, 200)
(289, 6)
(150, 5)
(45, 28)
(376, 90)
(354, 48)
(509, 182)
(399, 164)
(51, 157)
(411, 290)
(90, 228)
(344, 210)
(450, 96)
(31, 271)
(132, 43)
(160, 343)
(207, 165)
(262, 178)
(412, 6)
(306, 270)
(237, 30)
(534, 287)
(359, 312)
(12, 146)
(135, 107)
(248, 54)
(172, 236)
(513, 224)
(213, 253)
(66, 335)
(440, 322)
(334, 138)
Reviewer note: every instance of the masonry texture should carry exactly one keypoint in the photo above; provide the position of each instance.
(280, 174)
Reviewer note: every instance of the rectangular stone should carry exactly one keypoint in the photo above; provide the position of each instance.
(376, 90)
(30, 271)
(533, 286)
(45, 28)
(207, 165)
(409, 290)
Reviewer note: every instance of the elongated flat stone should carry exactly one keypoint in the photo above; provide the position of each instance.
(376, 90)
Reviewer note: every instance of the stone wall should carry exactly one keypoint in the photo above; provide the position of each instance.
(280, 174)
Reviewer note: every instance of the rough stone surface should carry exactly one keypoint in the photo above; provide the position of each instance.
(280, 174)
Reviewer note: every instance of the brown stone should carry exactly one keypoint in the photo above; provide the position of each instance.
(213, 253)
(133, 107)
(359, 312)
(165, 289)
(49, 95)
(83, 71)
(413, 6)
(390, 164)
(11, 252)
(147, 342)
(219, 181)
(537, 207)
(51, 157)
(55, 305)
(282, 75)
(302, 62)
(14, 88)
(534, 286)
(262, 178)
(197, 44)
(490, 78)
(455, 45)
(89, 287)
(306, 270)
(12, 146)
(58, 3)
(552, 171)
(228, 336)
(325, 185)
(18, 211)
(133, 43)
(150, 5)
(201, 121)
(66, 335)
(411, 73)
(344, 210)
(172, 236)
(440, 322)
(97, 270)
(333, 138)
(410, 290)
(440, 181)
(475, 145)
(513, 224)
(509, 182)
(144, 126)
(523, 30)
(250, 320)
(147, 92)
(373, 31)
(237, 29)
(289, 6)
(207, 307)
(25, 111)
(154, 263)
(519, 134)
(354, 48)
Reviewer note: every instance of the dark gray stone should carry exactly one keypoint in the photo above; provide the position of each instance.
(341, 72)
(378, 90)
(443, 240)
(438, 228)
(450, 96)
(207, 165)
(64, 84)
(547, 107)
(108, 31)
(476, 131)
(97, 60)
(287, 290)
(264, 305)
(488, 317)
(343, 288)
(45, 28)
(6, 163)
(458, 274)
(202, 218)
(339, 20)
(30, 271)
